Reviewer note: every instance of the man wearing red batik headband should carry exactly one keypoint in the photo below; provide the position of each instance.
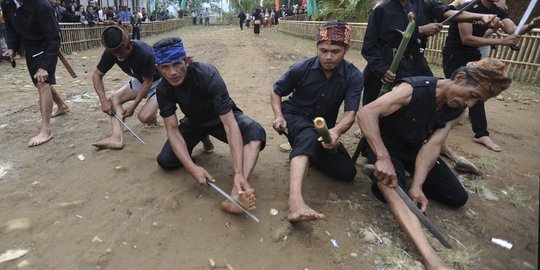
(317, 87)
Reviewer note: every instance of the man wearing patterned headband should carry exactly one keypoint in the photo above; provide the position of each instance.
(136, 59)
(317, 87)
(405, 129)
(208, 109)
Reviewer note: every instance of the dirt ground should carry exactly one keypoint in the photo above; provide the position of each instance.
(119, 210)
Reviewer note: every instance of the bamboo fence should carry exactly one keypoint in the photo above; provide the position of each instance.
(523, 65)
(79, 37)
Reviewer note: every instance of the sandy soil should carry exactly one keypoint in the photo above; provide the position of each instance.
(119, 210)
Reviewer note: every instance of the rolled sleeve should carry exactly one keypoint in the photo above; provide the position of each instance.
(218, 91)
(166, 103)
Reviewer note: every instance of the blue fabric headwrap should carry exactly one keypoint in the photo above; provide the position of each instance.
(171, 54)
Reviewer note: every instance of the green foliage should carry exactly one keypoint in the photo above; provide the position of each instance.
(242, 5)
(347, 10)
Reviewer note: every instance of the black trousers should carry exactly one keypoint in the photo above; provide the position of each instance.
(241, 24)
(192, 134)
(440, 185)
(453, 61)
(303, 139)
(136, 33)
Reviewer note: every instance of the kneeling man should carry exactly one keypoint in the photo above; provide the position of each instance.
(202, 96)
(405, 129)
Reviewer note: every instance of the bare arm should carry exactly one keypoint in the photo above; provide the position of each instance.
(368, 119)
(236, 146)
(425, 160)
(178, 145)
(99, 87)
(279, 122)
(467, 37)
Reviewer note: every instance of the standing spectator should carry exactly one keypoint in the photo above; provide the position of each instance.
(101, 14)
(201, 18)
(124, 15)
(3, 45)
(257, 22)
(194, 17)
(266, 18)
(248, 20)
(91, 16)
(165, 15)
(144, 15)
(70, 16)
(82, 15)
(59, 10)
(136, 24)
(32, 25)
(206, 16)
(242, 18)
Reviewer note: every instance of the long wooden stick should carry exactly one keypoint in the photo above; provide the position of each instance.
(66, 64)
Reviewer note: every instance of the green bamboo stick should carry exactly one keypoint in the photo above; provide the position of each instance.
(401, 49)
(322, 129)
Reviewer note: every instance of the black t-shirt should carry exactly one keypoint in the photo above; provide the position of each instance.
(411, 125)
(139, 64)
(202, 96)
(453, 41)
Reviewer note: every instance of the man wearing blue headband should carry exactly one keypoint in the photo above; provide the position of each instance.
(208, 109)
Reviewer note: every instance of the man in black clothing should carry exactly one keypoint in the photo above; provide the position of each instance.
(406, 128)
(382, 39)
(136, 59)
(461, 46)
(242, 18)
(136, 24)
(32, 24)
(318, 86)
(208, 109)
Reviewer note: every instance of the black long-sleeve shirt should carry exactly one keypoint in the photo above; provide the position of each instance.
(383, 36)
(34, 26)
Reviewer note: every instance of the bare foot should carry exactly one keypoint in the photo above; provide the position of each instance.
(246, 199)
(60, 111)
(302, 212)
(41, 138)
(208, 146)
(487, 142)
(109, 143)
(152, 123)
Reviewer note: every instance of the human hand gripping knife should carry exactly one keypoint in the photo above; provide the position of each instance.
(126, 126)
(370, 168)
(232, 200)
